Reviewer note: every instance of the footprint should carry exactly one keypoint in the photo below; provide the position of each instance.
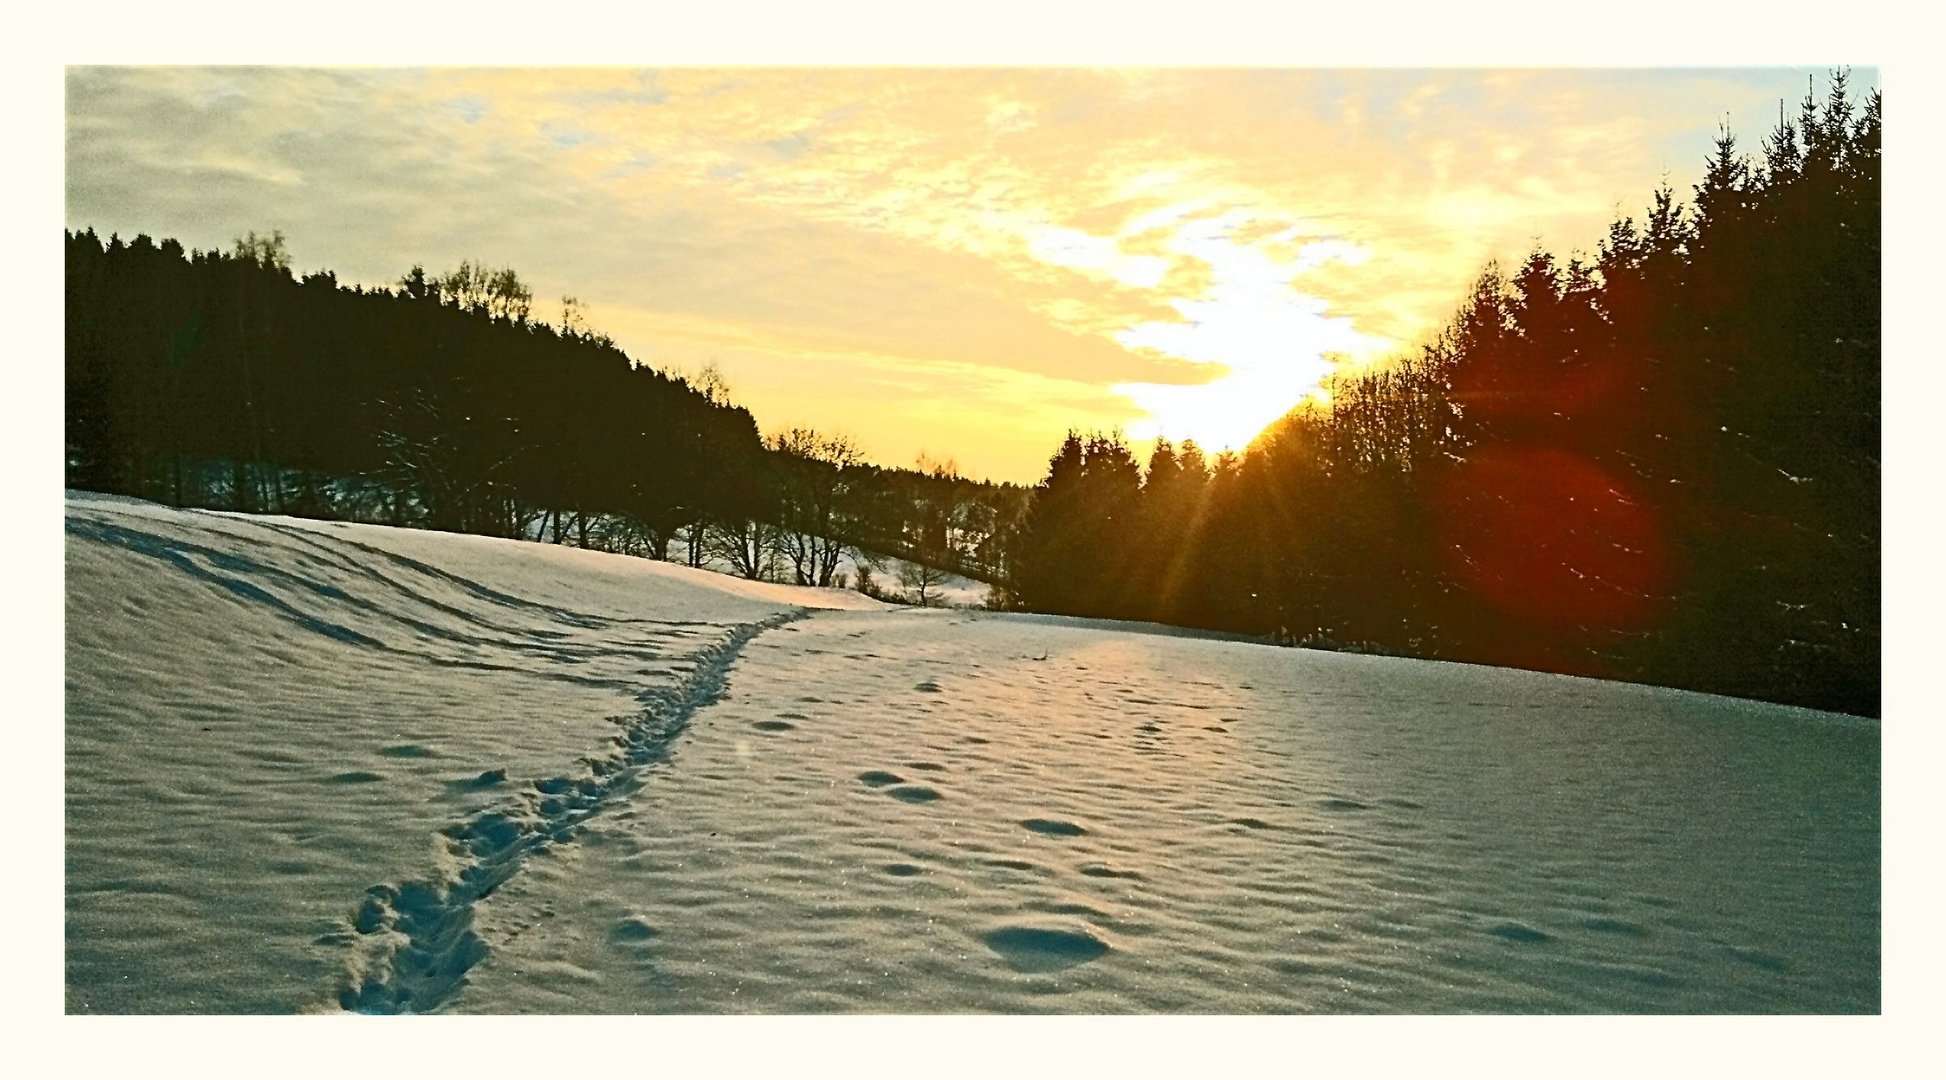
(486, 835)
(486, 779)
(370, 918)
(880, 778)
(407, 750)
(925, 766)
(773, 725)
(930, 686)
(634, 928)
(903, 869)
(1035, 949)
(914, 793)
(1519, 932)
(1052, 828)
(358, 777)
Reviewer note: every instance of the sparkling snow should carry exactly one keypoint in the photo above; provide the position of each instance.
(317, 766)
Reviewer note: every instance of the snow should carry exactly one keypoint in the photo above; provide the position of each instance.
(889, 578)
(318, 766)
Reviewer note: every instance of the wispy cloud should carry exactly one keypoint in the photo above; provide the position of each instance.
(962, 261)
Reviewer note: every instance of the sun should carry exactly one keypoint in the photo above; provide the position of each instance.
(1225, 414)
(1274, 344)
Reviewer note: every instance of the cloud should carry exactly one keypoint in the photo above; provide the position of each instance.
(1044, 247)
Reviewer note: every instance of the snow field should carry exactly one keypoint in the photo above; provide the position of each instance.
(266, 717)
(952, 812)
(319, 767)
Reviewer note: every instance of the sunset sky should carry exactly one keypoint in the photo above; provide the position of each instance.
(964, 262)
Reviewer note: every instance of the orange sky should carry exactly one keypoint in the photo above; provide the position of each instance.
(961, 262)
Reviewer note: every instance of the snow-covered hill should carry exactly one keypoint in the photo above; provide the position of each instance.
(316, 766)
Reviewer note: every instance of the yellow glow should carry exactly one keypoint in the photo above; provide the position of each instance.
(1273, 343)
(1095, 254)
(965, 261)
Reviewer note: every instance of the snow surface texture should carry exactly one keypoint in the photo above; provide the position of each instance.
(318, 766)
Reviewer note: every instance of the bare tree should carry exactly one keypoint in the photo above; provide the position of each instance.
(932, 530)
(457, 476)
(710, 382)
(574, 317)
(498, 292)
(750, 547)
(922, 583)
(508, 297)
(819, 474)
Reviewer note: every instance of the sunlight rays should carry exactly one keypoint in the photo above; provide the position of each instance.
(1275, 344)
(1193, 244)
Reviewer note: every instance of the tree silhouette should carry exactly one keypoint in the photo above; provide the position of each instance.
(818, 480)
(220, 379)
(1660, 463)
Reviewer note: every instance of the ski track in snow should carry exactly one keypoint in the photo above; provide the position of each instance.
(880, 810)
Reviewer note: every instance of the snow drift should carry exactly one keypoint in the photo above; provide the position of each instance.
(316, 766)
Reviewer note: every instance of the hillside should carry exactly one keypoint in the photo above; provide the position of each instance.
(315, 766)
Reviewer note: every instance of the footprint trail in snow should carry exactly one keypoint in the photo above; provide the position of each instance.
(875, 810)
(419, 942)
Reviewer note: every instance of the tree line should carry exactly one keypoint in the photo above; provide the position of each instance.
(1659, 463)
(222, 379)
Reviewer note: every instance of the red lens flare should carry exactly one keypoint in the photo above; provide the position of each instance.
(1548, 537)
